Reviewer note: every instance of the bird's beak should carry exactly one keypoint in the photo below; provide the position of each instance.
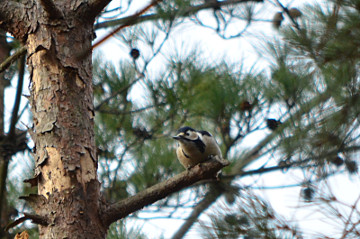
(177, 137)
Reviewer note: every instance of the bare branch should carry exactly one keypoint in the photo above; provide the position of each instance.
(206, 202)
(122, 112)
(286, 10)
(37, 219)
(179, 13)
(159, 191)
(96, 6)
(15, 112)
(131, 20)
(116, 93)
(11, 59)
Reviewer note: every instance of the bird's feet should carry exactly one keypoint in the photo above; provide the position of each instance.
(219, 159)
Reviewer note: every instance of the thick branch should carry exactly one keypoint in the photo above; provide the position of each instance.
(96, 6)
(159, 191)
(51, 9)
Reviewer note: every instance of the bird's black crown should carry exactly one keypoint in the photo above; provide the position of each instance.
(185, 129)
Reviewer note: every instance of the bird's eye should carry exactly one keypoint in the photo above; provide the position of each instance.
(187, 134)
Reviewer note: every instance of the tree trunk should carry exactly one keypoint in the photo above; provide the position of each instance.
(62, 106)
(61, 100)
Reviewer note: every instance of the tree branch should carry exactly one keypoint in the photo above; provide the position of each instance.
(286, 10)
(130, 21)
(15, 112)
(178, 12)
(11, 59)
(37, 219)
(206, 202)
(96, 6)
(253, 154)
(161, 190)
(51, 9)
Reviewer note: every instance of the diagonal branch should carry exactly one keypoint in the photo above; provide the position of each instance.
(286, 10)
(95, 7)
(206, 202)
(161, 190)
(11, 59)
(130, 21)
(37, 219)
(253, 154)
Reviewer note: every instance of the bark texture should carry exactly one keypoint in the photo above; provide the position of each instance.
(57, 35)
(61, 102)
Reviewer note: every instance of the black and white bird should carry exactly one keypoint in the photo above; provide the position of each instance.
(195, 147)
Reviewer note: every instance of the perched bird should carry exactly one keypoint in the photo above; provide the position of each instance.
(195, 147)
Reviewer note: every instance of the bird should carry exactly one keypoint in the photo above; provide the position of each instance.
(195, 146)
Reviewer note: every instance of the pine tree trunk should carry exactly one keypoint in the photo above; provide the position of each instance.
(62, 106)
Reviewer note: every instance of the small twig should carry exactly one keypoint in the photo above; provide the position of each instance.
(178, 12)
(205, 203)
(98, 107)
(37, 219)
(11, 59)
(131, 20)
(120, 112)
(15, 112)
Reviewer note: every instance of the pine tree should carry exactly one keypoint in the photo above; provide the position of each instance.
(102, 131)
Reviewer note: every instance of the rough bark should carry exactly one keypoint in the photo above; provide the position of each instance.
(62, 107)
(56, 33)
